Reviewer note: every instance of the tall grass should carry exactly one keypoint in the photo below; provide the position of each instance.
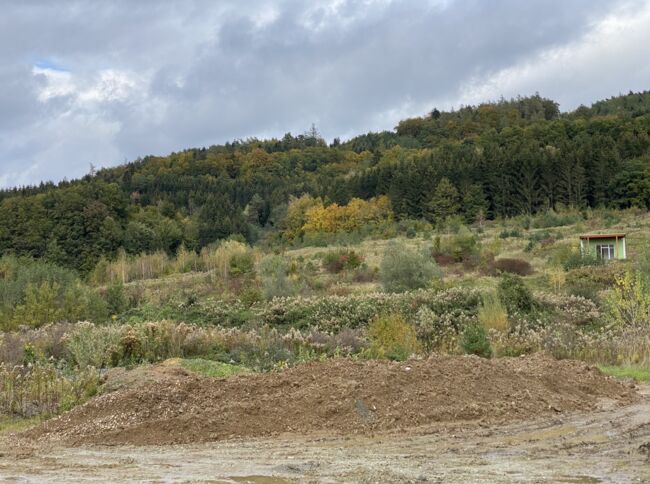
(128, 268)
(492, 314)
(44, 389)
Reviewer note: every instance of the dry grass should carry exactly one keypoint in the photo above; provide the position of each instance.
(492, 314)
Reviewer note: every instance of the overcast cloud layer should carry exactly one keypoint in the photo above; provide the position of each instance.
(104, 82)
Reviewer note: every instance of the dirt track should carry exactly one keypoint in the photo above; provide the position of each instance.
(532, 419)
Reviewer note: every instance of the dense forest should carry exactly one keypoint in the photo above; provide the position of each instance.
(498, 159)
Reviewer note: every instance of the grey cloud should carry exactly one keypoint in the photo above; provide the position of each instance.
(203, 72)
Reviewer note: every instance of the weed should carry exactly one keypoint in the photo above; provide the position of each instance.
(474, 341)
(391, 337)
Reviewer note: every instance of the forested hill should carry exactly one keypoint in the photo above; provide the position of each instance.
(493, 160)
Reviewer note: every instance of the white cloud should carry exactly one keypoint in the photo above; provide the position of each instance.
(153, 77)
(57, 83)
(606, 61)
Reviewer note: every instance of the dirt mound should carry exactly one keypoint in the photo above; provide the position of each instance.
(166, 405)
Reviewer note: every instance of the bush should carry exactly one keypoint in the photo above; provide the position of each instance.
(273, 270)
(403, 269)
(334, 313)
(242, 263)
(116, 298)
(576, 260)
(514, 295)
(589, 281)
(364, 274)
(90, 345)
(411, 227)
(504, 234)
(341, 260)
(571, 309)
(462, 246)
(391, 337)
(513, 266)
(553, 219)
(439, 331)
(536, 238)
(34, 293)
(475, 341)
(629, 302)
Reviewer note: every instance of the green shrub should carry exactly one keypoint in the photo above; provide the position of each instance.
(629, 302)
(403, 269)
(475, 341)
(242, 263)
(116, 298)
(514, 295)
(602, 276)
(537, 238)
(587, 290)
(34, 293)
(576, 260)
(462, 246)
(251, 295)
(553, 219)
(391, 337)
(504, 234)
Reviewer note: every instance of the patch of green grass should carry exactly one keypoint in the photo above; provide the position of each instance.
(16, 424)
(213, 369)
(639, 373)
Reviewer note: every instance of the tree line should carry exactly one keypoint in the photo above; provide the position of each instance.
(499, 159)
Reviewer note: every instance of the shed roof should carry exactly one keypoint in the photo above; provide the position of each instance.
(602, 236)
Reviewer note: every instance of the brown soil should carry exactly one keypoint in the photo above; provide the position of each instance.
(167, 405)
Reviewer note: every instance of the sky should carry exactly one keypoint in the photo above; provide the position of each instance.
(105, 82)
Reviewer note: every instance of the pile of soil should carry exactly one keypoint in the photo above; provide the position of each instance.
(168, 405)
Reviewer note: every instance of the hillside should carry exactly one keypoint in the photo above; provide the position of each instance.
(499, 159)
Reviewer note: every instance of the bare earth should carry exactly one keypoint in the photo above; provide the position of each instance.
(576, 426)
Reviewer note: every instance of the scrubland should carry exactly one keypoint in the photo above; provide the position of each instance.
(497, 289)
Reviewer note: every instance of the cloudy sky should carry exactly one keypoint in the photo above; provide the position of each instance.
(102, 82)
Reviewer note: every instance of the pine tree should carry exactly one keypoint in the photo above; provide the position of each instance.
(444, 202)
(474, 203)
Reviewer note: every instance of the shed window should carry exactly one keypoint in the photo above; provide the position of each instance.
(605, 251)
